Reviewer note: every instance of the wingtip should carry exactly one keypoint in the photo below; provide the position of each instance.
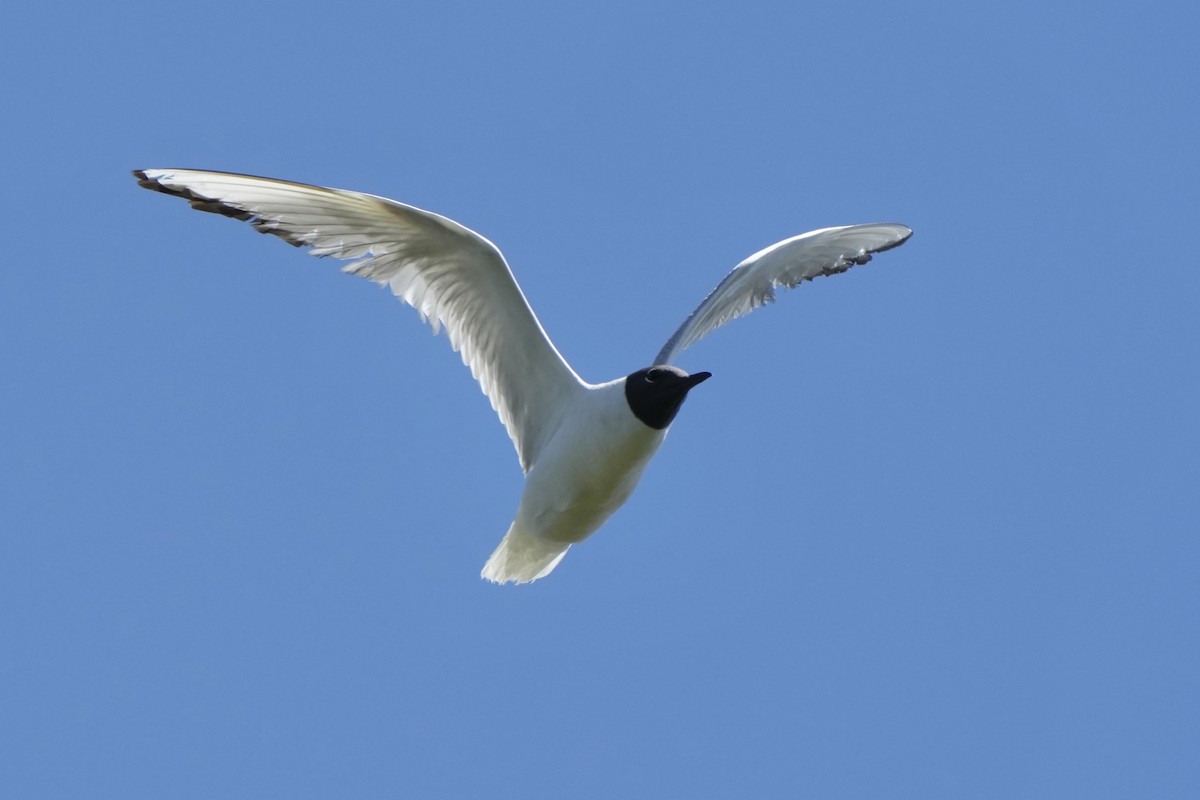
(144, 181)
(908, 232)
(198, 201)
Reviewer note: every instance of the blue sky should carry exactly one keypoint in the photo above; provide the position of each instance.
(930, 531)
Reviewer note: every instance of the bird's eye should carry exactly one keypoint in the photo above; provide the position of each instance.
(653, 376)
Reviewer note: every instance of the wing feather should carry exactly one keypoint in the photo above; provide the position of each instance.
(452, 276)
(789, 263)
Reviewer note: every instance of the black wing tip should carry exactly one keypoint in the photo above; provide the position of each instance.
(196, 201)
(151, 183)
(214, 206)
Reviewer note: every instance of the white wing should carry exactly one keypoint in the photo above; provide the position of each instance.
(451, 275)
(788, 263)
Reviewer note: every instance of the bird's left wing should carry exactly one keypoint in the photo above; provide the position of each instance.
(789, 263)
(451, 275)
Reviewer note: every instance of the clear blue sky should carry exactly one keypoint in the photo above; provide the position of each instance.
(931, 531)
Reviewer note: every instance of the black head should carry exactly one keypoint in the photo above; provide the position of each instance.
(655, 393)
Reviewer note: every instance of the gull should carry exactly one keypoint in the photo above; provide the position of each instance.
(583, 447)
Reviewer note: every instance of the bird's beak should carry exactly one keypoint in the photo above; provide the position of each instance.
(695, 379)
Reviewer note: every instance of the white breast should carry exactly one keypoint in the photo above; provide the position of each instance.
(589, 467)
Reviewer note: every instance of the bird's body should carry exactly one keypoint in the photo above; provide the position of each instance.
(582, 446)
(589, 466)
(587, 470)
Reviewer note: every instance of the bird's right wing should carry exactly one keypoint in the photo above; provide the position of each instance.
(789, 263)
(451, 275)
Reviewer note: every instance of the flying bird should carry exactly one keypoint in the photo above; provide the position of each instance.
(583, 447)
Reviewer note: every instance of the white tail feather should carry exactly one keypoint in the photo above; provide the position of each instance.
(523, 557)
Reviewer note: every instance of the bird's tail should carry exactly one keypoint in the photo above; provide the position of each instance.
(523, 557)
